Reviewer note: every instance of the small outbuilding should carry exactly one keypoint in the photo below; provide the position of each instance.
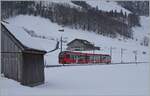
(22, 56)
(81, 45)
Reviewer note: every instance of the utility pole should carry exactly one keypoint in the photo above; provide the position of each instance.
(61, 44)
(122, 54)
(61, 41)
(135, 53)
(111, 51)
(93, 54)
(61, 30)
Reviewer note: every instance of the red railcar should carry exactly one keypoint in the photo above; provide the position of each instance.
(68, 57)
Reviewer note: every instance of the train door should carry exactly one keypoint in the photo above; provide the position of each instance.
(87, 58)
(105, 59)
(96, 59)
(74, 58)
(108, 59)
(101, 59)
(67, 58)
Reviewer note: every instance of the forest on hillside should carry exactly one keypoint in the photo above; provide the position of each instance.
(84, 17)
(137, 7)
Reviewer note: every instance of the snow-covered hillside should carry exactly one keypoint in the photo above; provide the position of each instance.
(143, 31)
(101, 4)
(45, 27)
(64, 2)
(107, 6)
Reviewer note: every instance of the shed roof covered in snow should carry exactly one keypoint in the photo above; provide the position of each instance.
(29, 39)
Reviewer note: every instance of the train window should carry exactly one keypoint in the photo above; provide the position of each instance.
(83, 57)
(87, 57)
(73, 57)
(76, 57)
(91, 57)
(103, 57)
(94, 57)
(80, 57)
(97, 58)
(106, 57)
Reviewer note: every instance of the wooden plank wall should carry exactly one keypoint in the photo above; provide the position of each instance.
(11, 56)
(28, 68)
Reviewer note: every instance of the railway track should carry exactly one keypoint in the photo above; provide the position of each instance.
(63, 65)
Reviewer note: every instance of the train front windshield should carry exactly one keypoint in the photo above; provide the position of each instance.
(67, 56)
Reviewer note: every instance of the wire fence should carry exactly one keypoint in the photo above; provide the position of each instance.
(65, 65)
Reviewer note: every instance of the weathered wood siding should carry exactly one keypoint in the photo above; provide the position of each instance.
(11, 56)
(33, 69)
(19, 62)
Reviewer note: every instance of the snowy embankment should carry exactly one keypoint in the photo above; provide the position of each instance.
(140, 32)
(120, 80)
(63, 2)
(107, 6)
(45, 27)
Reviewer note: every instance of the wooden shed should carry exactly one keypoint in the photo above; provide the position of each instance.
(20, 59)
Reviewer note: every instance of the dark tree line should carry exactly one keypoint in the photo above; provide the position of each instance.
(90, 19)
(137, 7)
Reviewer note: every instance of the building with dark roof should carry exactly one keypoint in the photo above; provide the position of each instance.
(81, 45)
(21, 60)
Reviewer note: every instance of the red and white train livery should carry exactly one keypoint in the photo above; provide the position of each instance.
(68, 57)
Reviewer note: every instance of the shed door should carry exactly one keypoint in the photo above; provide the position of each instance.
(33, 69)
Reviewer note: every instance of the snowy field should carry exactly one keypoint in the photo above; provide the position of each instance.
(116, 80)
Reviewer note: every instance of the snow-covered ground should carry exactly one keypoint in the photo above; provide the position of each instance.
(112, 80)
